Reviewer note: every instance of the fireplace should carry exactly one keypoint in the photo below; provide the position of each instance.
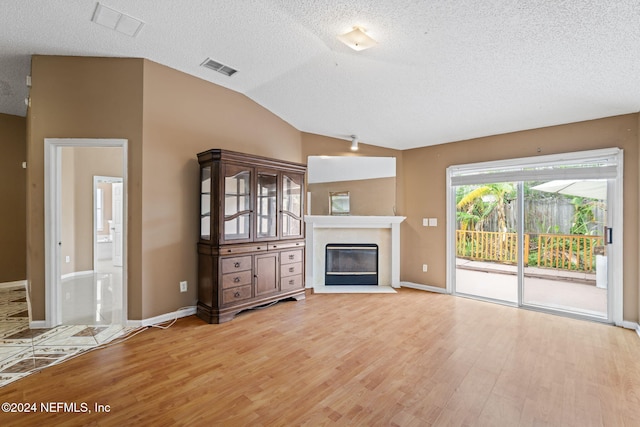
(351, 264)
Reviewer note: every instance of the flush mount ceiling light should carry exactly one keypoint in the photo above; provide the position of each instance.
(354, 143)
(357, 39)
(117, 21)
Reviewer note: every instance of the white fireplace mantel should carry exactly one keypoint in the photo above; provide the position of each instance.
(317, 224)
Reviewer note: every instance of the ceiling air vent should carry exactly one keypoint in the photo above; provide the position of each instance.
(221, 68)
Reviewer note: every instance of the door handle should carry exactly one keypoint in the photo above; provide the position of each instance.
(608, 233)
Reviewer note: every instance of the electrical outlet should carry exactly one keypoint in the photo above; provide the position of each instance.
(183, 286)
(67, 259)
(425, 267)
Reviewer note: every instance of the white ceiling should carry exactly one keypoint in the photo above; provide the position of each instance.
(442, 71)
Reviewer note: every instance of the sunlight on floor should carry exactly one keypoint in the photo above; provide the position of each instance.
(88, 325)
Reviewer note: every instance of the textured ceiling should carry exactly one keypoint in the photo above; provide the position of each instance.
(442, 70)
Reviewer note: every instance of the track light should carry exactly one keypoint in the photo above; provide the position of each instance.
(354, 143)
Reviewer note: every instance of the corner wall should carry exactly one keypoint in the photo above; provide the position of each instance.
(83, 97)
(167, 117)
(13, 184)
(183, 116)
(425, 188)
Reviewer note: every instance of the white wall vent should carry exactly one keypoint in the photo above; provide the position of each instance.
(216, 66)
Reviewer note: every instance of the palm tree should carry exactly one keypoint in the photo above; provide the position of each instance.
(479, 203)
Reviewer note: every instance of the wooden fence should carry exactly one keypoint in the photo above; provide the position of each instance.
(560, 251)
(567, 251)
(490, 246)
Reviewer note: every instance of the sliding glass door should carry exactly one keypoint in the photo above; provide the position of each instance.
(543, 233)
(486, 241)
(566, 266)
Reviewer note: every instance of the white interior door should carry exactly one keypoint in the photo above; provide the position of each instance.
(116, 225)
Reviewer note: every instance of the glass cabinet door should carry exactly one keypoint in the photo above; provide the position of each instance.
(292, 188)
(205, 203)
(267, 205)
(237, 203)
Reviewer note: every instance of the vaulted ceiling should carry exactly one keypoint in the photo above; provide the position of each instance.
(442, 70)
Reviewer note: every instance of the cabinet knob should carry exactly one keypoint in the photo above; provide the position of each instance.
(292, 256)
(236, 279)
(291, 282)
(237, 295)
(236, 264)
(291, 269)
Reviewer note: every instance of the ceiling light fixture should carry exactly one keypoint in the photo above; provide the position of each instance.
(354, 143)
(357, 39)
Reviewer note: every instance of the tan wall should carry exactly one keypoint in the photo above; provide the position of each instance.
(79, 166)
(366, 196)
(318, 145)
(103, 98)
(425, 186)
(82, 97)
(75, 97)
(13, 205)
(183, 116)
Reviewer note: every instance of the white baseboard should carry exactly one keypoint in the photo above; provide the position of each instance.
(13, 284)
(167, 317)
(77, 274)
(631, 325)
(38, 324)
(423, 287)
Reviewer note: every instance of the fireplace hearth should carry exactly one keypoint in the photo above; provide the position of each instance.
(351, 264)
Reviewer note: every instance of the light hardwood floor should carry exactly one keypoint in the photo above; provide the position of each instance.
(408, 359)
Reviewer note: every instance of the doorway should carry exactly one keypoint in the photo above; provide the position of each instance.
(544, 233)
(107, 220)
(80, 288)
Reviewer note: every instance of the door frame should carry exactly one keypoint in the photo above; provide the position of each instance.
(615, 219)
(52, 220)
(101, 179)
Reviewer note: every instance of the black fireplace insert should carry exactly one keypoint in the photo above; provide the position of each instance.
(351, 264)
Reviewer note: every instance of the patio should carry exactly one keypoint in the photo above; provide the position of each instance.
(556, 289)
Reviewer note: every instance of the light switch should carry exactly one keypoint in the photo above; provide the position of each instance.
(433, 222)
(425, 222)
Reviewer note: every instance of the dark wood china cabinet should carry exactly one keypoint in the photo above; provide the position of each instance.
(251, 247)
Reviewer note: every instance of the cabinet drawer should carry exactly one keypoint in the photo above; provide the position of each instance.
(231, 265)
(236, 294)
(291, 269)
(232, 280)
(288, 257)
(226, 250)
(291, 282)
(285, 245)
